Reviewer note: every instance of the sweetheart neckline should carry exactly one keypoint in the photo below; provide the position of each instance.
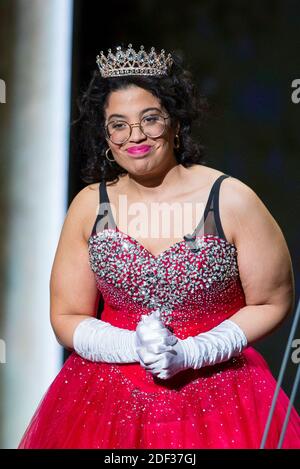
(156, 257)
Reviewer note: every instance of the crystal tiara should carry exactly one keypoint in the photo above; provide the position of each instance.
(130, 62)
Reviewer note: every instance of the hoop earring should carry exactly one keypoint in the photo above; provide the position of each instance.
(176, 142)
(107, 156)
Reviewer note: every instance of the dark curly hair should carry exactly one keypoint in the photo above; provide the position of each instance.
(177, 94)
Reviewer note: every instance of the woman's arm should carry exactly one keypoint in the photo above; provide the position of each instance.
(73, 292)
(264, 262)
(74, 296)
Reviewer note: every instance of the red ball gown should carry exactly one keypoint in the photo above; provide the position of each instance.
(196, 284)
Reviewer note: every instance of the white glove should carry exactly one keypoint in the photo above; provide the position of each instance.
(208, 348)
(152, 337)
(99, 341)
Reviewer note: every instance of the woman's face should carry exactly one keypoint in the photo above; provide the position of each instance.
(140, 154)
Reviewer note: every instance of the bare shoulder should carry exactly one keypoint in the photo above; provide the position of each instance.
(203, 176)
(239, 199)
(237, 195)
(241, 210)
(83, 209)
(233, 189)
(236, 199)
(246, 216)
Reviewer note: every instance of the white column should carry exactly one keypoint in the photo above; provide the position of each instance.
(37, 98)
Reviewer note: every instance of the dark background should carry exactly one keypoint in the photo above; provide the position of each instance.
(244, 57)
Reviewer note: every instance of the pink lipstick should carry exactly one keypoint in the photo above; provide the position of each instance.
(138, 150)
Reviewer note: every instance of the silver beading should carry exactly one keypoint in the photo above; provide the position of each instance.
(130, 62)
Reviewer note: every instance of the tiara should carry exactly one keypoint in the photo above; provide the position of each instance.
(130, 62)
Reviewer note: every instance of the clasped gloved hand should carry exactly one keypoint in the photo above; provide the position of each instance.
(164, 355)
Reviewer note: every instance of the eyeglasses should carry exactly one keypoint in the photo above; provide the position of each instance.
(119, 131)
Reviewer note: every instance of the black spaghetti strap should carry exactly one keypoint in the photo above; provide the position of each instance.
(216, 205)
(212, 192)
(103, 199)
(209, 207)
(103, 196)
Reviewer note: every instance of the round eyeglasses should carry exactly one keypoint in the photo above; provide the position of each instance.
(119, 131)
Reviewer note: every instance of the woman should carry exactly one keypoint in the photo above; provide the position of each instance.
(170, 364)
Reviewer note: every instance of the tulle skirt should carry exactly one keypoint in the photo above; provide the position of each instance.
(101, 405)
